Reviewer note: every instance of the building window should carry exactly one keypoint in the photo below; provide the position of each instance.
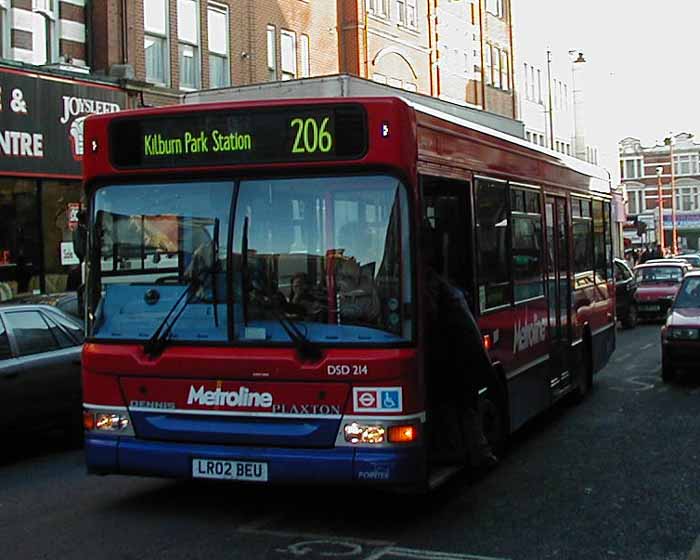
(495, 7)
(487, 64)
(496, 69)
(271, 53)
(630, 168)
(532, 83)
(379, 78)
(505, 71)
(188, 37)
(401, 11)
(527, 82)
(217, 33)
(305, 64)
(288, 50)
(539, 86)
(4, 29)
(411, 16)
(45, 33)
(686, 164)
(155, 40)
(378, 8)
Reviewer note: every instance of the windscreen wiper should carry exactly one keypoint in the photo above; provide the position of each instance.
(155, 345)
(307, 350)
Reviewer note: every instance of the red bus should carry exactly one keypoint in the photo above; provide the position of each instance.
(254, 282)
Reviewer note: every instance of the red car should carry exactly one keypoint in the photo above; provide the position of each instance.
(657, 284)
(680, 337)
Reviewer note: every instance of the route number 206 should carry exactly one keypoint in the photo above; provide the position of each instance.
(343, 370)
(311, 137)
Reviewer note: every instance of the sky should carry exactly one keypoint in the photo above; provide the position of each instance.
(640, 77)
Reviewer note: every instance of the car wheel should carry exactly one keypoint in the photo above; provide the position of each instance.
(668, 374)
(630, 320)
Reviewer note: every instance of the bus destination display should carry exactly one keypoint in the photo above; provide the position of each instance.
(225, 137)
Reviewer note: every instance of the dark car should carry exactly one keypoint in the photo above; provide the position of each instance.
(680, 336)
(657, 284)
(39, 369)
(625, 289)
(65, 301)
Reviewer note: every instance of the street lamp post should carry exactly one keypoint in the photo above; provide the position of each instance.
(674, 229)
(549, 89)
(659, 171)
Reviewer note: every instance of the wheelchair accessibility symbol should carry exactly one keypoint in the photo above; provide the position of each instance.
(391, 400)
(378, 399)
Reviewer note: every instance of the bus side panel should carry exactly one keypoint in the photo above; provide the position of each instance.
(519, 341)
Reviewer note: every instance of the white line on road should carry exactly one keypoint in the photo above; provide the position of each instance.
(647, 346)
(416, 554)
(623, 357)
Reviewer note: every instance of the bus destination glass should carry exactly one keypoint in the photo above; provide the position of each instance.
(250, 136)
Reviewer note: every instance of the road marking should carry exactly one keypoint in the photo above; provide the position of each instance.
(623, 357)
(417, 554)
(646, 346)
(637, 385)
(312, 536)
(327, 548)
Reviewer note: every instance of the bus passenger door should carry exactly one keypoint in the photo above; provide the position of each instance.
(447, 211)
(558, 293)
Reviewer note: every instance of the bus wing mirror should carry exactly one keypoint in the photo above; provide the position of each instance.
(80, 236)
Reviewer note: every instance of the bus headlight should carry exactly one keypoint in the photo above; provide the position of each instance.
(362, 433)
(115, 422)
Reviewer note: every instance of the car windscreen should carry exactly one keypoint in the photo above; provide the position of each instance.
(689, 293)
(657, 274)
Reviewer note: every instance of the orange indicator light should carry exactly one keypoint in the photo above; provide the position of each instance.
(402, 434)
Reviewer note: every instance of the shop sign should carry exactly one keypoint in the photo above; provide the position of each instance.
(41, 118)
(683, 221)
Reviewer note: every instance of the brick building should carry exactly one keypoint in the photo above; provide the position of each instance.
(456, 50)
(638, 168)
(183, 45)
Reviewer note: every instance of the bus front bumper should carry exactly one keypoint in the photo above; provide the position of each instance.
(341, 465)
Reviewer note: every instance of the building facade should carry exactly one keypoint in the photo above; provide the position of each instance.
(550, 85)
(46, 91)
(162, 48)
(675, 165)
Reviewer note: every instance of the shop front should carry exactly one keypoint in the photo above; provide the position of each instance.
(41, 147)
(687, 228)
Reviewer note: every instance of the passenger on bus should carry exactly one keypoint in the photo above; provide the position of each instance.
(302, 300)
(358, 299)
(456, 359)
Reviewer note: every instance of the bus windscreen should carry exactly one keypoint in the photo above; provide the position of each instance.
(240, 136)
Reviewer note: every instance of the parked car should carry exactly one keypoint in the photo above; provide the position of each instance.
(693, 260)
(657, 284)
(40, 383)
(65, 301)
(625, 289)
(680, 336)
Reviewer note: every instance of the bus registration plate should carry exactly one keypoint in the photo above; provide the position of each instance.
(229, 470)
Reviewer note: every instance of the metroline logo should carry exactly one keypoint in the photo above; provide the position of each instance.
(244, 397)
